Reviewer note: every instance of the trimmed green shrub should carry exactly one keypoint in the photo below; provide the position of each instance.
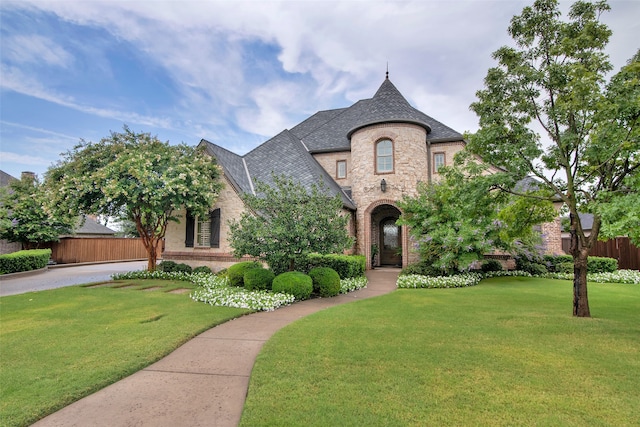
(491, 265)
(235, 273)
(183, 268)
(534, 268)
(172, 267)
(202, 269)
(258, 279)
(564, 267)
(28, 260)
(597, 264)
(422, 268)
(168, 266)
(347, 266)
(294, 283)
(326, 281)
(553, 262)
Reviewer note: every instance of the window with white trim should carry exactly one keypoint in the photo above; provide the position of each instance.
(203, 232)
(384, 156)
(341, 169)
(438, 161)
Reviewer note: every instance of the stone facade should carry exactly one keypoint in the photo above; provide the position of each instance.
(231, 207)
(412, 147)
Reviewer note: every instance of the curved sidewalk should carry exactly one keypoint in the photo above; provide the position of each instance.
(205, 381)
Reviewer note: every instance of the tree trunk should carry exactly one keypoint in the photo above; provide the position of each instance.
(580, 299)
(152, 253)
(580, 252)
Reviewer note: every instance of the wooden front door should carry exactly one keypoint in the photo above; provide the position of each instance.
(391, 239)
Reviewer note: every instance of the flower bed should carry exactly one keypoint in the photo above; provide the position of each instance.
(472, 279)
(215, 290)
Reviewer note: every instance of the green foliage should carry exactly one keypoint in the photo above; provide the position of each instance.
(258, 279)
(461, 217)
(534, 266)
(168, 266)
(27, 215)
(326, 281)
(564, 264)
(422, 268)
(202, 269)
(236, 272)
(293, 283)
(285, 222)
(491, 265)
(347, 266)
(597, 264)
(137, 177)
(553, 77)
(173, 267)
(26, 260)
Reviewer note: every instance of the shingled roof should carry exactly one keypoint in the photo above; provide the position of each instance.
(290, 152)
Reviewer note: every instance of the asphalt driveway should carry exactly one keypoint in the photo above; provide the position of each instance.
(59, 276)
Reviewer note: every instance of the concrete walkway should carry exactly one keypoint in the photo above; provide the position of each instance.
(205, 381)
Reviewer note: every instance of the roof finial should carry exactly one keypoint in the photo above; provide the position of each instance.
(387, 70)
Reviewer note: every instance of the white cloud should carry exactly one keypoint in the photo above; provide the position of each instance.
(328, 54)
(23, 159)
(35, 49)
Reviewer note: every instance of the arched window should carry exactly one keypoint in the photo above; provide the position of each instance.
(384, 156)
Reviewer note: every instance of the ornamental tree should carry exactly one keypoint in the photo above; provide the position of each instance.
(285, 221)
(26, 215)
(546, 110)
(460, 218)
(137, 177)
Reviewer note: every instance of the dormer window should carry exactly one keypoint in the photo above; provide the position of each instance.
(384, 156)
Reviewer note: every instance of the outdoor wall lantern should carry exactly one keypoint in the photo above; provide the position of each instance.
(383, 185)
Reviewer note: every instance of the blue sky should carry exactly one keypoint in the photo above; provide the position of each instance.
(239, 72)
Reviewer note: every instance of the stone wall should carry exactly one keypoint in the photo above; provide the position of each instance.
(231, 207)
(328, 161)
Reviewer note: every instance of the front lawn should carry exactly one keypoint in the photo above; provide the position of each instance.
(505, 352)
(60, 345)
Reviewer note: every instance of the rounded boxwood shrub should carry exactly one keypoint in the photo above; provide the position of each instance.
(235, 273)
(293, 283)
(202, 269)
(167, 266)
(183, 268)
(491, 265)
(326, 281)
(258, 279)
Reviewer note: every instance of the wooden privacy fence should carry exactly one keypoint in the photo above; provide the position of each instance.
(74, 250)
(620, 248)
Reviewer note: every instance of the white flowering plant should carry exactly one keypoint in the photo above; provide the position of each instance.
(472, 279)
(215, 290)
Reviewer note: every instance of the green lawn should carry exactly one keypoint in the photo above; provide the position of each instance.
(60, 345)
(506, 352)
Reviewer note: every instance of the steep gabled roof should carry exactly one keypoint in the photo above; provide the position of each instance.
(5, 179)
(290, 152)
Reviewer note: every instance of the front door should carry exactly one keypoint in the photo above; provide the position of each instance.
(391, 238)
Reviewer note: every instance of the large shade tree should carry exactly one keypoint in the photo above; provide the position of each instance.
(547, 110)
(138, 177)
(286, 221)
(27, 216)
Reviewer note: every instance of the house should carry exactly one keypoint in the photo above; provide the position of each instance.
(371, 153)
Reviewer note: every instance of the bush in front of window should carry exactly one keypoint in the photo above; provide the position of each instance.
(293, 283)
(258, 279)
(326, 281)
(235, 273)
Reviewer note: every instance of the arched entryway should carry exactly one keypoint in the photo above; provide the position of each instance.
(386, 236)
